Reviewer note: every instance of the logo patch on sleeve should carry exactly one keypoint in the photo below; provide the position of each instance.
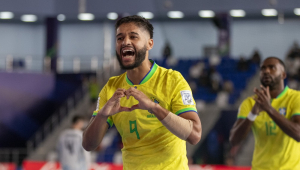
(187, 97)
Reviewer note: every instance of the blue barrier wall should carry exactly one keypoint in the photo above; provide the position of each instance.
(28, 99)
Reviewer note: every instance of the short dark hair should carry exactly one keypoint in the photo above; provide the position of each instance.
(280, 62)
(77, 118)
(139, 21)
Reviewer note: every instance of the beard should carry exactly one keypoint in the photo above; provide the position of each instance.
(273, 83)
(140, 56)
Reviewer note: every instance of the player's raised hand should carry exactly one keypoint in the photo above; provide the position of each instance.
(144, 102)
(256, 109)
(113, 105)
(263, 97)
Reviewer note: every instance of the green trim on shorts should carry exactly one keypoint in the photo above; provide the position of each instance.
(186, 110)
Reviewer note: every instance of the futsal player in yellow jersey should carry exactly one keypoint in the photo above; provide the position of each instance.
(152, 107)
(273, 113)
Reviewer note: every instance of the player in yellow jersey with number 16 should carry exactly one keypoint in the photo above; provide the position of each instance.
(152, 107)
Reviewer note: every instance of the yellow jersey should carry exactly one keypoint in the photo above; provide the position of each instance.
(274, 150)
(147, 144)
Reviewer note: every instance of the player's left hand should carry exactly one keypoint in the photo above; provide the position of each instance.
(263, 98)
(144, 102)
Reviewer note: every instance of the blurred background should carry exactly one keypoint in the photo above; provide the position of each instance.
(56, 55)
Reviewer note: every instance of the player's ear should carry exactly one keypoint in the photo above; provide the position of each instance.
(283, 75)
(150, 44)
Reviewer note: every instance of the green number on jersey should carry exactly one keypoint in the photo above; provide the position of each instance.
(270, 128)
(133, 128)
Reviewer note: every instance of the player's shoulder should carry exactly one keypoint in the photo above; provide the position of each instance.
(293, 92)
(116, 79)
(169, 73)
(249, 100)
(64, 133)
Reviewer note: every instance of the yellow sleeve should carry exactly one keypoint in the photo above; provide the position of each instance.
(182, 98)
(296, 106)
(102, 99)
(244, 109)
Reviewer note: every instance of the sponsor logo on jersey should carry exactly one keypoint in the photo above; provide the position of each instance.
(151, 116)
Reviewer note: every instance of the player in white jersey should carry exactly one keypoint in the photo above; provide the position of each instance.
(71, 154)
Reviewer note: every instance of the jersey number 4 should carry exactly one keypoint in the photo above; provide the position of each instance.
(133, 128)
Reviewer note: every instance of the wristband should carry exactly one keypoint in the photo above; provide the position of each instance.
(251, 116)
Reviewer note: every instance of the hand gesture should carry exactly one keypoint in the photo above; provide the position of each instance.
(263, 98)
(113, 104)
(256, 109)
(144, 102)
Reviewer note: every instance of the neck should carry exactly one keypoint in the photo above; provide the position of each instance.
(277, 90)
(76, 127)
(137, 74)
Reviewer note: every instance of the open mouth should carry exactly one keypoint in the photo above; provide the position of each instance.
(127, 53)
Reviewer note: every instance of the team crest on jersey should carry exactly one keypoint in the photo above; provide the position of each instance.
(187, 98)
(155, 101)
(282, 111)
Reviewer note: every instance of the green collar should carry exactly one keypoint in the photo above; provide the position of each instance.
(283, 92)
(148, 75)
